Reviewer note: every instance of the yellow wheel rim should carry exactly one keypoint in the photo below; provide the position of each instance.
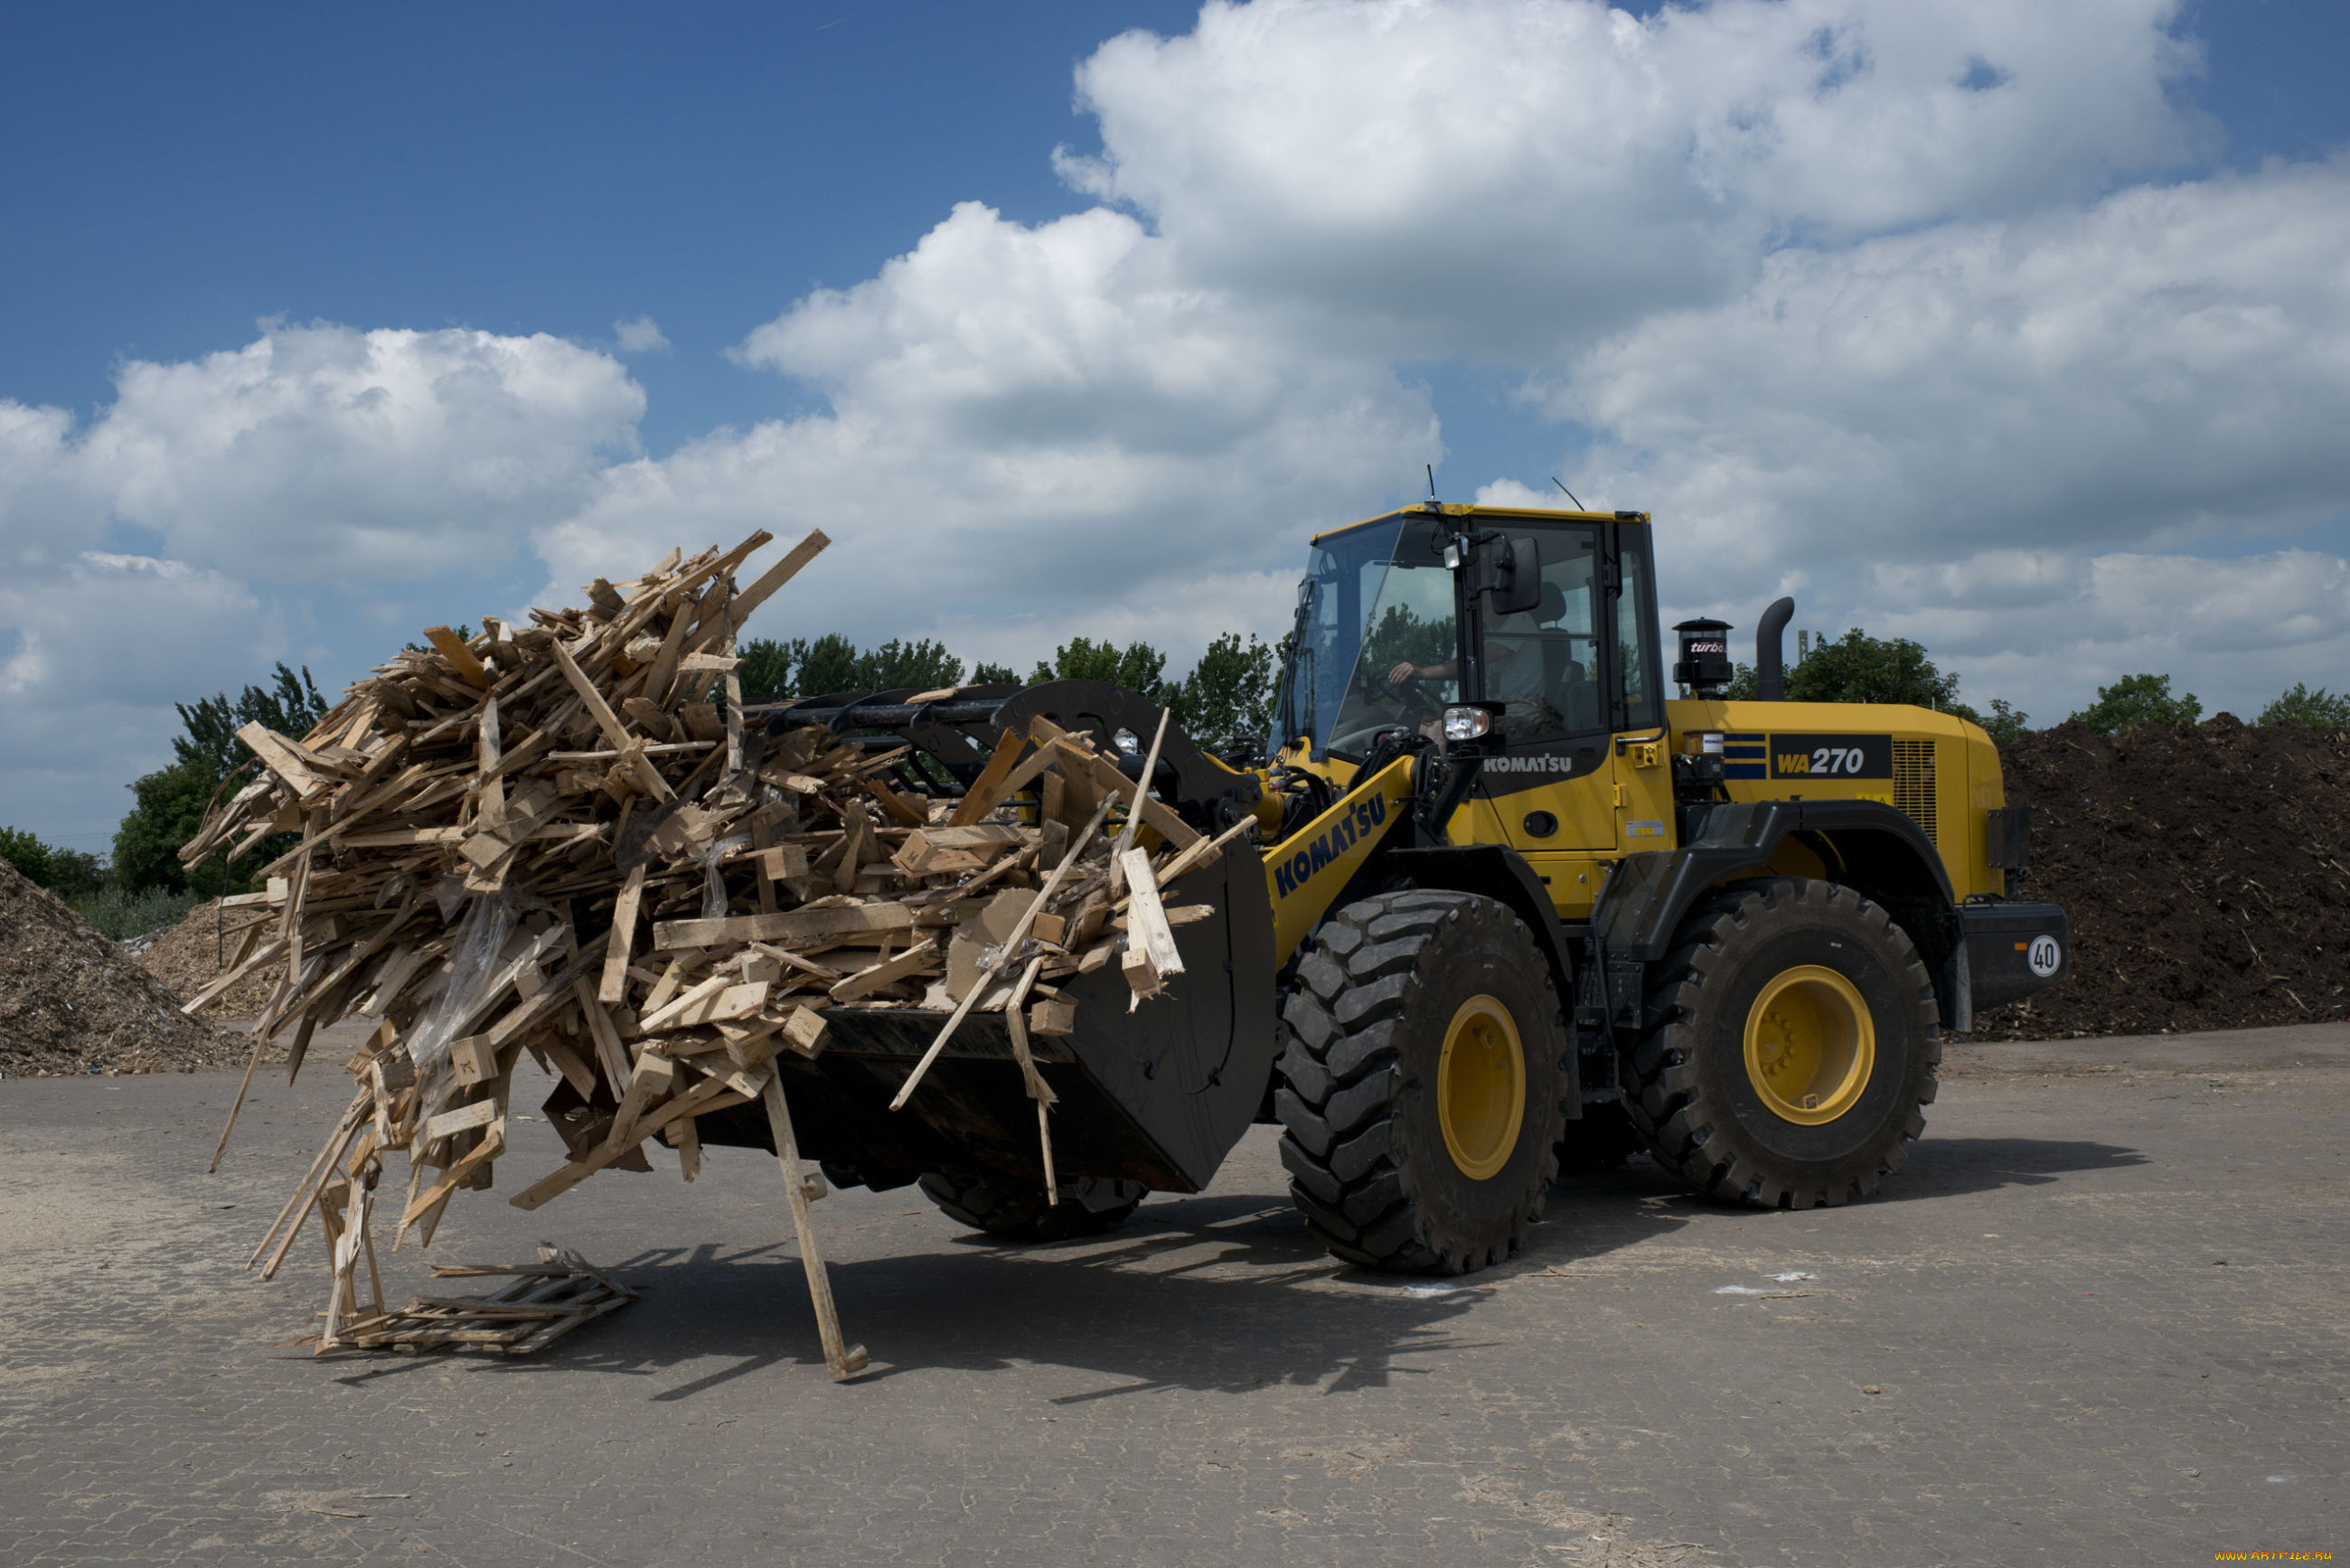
(1810, 1045)
(1481, 1087)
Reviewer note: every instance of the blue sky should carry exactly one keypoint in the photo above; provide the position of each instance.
(1286, 258)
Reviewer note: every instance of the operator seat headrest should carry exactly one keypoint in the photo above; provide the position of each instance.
(1554, 604)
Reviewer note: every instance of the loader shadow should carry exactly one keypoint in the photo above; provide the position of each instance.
(1211, 1294)
(1936, 1168)
(1949, 1167)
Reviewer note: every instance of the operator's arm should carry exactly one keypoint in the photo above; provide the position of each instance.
(1407, 671)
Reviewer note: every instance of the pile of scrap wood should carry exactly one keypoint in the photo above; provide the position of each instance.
(562, 838)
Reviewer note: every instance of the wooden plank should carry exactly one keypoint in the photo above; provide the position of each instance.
(804, 1031)
(846, 1360)
(1207, 850)
(1142, 974)
(710, 1095)
(264, 954)
(493, 1144)
(987, 792)
(453, 648)
(475, 1060)
(464, 1118)
(574, 1072)
(1001, 956)
(702, 1005)
(1103, 771)
(1038, 1090)
(283, 757)
(1134, 818)
(1177, 915)
(925, 846)
(606, 720)
(865, 981)
(401, 838)
(610, 1054)
(775, 577)
(901, 811)
(1148, 917)
(791, 926)
(654, 1077)
(615, 986)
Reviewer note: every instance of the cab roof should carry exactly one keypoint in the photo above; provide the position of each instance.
(1462, 509)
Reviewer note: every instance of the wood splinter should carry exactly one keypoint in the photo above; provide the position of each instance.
(846, 1360)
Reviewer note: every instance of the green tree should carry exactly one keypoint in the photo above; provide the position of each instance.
(772, 672)
(2319, 710)
(291, 705)
(2138, 700)
(170, 802)
(2005, 722)
(994, 675)
(1858, 668)
(28, 855)
(827, 665)
(71, 874)
(766, 670)
(1229, 693)
(1136, 667)
(925, 665)
(170, 809)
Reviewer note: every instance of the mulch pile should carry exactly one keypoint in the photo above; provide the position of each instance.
(2203, 869)
(71, 1003)
(189, 956)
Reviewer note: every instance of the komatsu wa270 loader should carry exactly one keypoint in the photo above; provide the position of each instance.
(1510, 910)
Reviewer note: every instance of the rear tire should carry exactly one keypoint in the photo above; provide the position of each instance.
(1019, 1211)
(1792, 1046)
(1424, 1083)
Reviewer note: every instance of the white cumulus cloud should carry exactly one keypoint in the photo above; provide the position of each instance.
(1030, 432)
(325, 452)
(1506, 176)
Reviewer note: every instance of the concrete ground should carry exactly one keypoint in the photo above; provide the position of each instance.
(2099, 1319)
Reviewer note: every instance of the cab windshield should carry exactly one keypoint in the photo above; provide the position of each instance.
(1376, 643)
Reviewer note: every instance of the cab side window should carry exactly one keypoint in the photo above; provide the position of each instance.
(1635, 654)
(1543, 665)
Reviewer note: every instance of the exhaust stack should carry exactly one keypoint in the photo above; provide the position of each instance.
(1769, 655)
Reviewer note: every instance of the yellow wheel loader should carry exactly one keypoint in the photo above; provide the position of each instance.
(1510, 910)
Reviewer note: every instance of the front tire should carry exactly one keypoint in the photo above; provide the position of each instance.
(1792, 1046)
(1424, 1083)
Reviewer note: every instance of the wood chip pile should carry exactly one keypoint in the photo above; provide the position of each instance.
(562, 838)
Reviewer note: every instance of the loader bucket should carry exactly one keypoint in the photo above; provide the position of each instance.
(1157, 1094)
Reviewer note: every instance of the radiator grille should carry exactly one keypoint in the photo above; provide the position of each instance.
(1913, 784)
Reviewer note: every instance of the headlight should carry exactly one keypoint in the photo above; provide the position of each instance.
(1452, 558)
(1467, 723)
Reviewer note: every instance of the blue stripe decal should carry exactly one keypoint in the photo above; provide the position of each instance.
(1752, 753)
(1755, 740)
(1743, 770)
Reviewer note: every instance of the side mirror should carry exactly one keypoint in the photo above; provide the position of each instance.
(1517, 577)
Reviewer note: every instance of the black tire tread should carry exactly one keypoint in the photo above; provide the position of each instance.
(1661, 1090)
(1340, 1077)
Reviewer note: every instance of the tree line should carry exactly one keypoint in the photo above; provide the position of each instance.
(1226, 695)
(1858, 668)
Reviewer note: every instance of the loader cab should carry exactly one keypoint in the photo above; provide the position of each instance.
(1397, 617)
